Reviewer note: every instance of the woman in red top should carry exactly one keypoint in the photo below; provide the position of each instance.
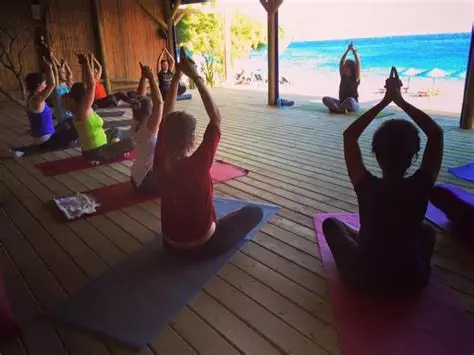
(187, 212)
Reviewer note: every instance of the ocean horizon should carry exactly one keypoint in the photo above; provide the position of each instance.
(446, 51)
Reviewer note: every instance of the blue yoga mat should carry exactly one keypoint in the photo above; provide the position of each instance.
(465, 172)
(133, 301)
(185, 96)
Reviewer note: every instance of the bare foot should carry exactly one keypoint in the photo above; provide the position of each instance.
(341, 111)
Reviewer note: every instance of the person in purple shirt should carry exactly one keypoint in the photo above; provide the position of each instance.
(45, 136)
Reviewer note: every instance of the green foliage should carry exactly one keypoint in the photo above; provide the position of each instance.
(246, 34)
(203, 34)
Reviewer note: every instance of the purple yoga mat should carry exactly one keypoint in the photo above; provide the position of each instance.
(433, 324)
(437, 216)
(465, 172)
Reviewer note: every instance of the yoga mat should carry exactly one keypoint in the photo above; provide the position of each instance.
(437, 217)
(69, 165)
(107, 113)
(319, 107)
(465, 172)
(133, 301)
(122, 195)
(185, 96)
(435, 323)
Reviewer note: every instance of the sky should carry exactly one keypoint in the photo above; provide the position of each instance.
(319, 19)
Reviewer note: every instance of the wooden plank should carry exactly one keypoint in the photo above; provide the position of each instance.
(283, 335)
(234, 330)
(204, 339)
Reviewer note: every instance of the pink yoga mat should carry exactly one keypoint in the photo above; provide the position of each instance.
(435, 323)
(122, 195)
(69, 165)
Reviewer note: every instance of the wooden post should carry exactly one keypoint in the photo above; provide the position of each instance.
(228, 43)
(271, 6)
(99, 35)
(467, 114)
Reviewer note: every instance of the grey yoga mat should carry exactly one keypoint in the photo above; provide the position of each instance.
(133, 301)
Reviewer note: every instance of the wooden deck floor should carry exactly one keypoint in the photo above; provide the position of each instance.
(270, 299)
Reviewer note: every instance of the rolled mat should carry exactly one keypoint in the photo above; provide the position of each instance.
(185, 96)
(450, 203)
(122, 195)
(465, 172)
(69, 165)
(320, 107)
(434, 323)
(133, 301)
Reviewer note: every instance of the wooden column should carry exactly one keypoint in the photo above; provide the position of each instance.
(99, 35)
(271, 6)
(467, 114)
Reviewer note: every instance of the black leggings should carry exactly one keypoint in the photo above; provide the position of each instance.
(230, 229)
(109, 152)
(64, 136)
(112, 100)
(344, 245)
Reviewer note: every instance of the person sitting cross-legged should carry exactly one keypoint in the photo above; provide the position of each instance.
(188, 219)
(391, 253)
(348, 88)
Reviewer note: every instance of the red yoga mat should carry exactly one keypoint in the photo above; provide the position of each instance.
(69, 165)
(122, 195)
(435, 323)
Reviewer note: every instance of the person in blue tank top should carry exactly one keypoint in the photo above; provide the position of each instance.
(64, 82)
(45, 135)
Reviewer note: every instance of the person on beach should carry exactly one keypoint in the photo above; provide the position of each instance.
(46, 137)
(188, 217)
(391, 255)
(349, 71)
(96, 146)
(147, 115)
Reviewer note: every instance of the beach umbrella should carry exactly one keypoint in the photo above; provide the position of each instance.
(435, 73)
(409, 73)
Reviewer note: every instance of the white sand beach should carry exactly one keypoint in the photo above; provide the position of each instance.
(318, 85)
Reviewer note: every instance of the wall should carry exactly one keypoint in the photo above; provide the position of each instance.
(17, 15)
(130, 36)
(70, 26)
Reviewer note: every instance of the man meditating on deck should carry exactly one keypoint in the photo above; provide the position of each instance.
(96, 146)
(188, 217)
(165, 67)
(391, 254)
(348, 87)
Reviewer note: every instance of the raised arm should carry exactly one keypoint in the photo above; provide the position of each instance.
(357, 60)
(69, 76)
(171, 59)
(88, 98)
(352, 153)
(343, 59)
(50, 83)
(154, 121)
(160, 58)
(96, 64)
(55, 65)
(188, 67)
(433, 155)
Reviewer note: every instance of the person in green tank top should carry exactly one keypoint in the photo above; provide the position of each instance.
(95, 145)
